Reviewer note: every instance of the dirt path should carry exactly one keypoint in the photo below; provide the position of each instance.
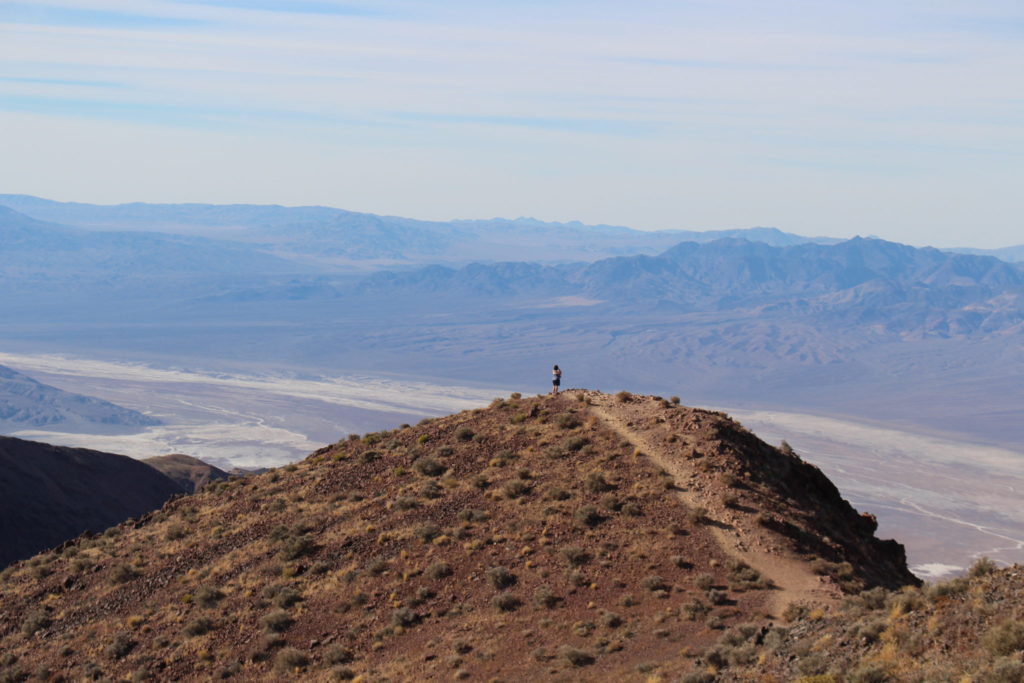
(795, 581)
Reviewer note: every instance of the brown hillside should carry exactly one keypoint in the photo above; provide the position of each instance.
(582, 536)
(190, 473)
(966, 629)
(49, 494)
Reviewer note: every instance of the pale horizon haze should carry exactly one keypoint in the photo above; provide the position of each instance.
(903, 120)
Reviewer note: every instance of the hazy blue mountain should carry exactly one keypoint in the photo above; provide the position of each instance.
(1013, 254)
(334, 238)
(31, 248)
(868, 279)
(27, 403)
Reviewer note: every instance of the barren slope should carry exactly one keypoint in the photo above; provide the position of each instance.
(579, 536)
(49, 494)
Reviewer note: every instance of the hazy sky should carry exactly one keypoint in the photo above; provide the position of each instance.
(903, 119)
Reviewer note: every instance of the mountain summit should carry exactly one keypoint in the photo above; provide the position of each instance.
(537, 536)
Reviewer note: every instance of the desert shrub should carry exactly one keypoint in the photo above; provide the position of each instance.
(277, 621)
(633, 509)
(695, 609)
(704, 581)
(654, 583)
(675, 400)
(464, 434)
(438, 571)
(574, 443)
(717, 597)
(906, 601)
(427, 532)
(480, 481)
(207, 596)
(122, 573)
(405, 617)
(515, 488)
(575, 656)
(501, 577)
(596, 483)
(338, 654)
(1005, 638)
(429, 467)
(795, 611)
(870, 672)
(515, 396)
(297, 546)
(744, 577)
(506, 602)
(588, 515)
(873, 599)
(949, 588)
(272, 641)
(558, 493)
(699, 677)
(289, 659)
(611, 620)
(869, 631)
(982, 567)
(406, 503)
(431, 490)
(422, 439)
(738, 635)
(35, 621)
(474, 515)
(543, 596)
(623, 396)
(198, 627)
(567, 421)
(1003, 670)
(286, 597)
(377, 566)
(730, 500)
(575, 555)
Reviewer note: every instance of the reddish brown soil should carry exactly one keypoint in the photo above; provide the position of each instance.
(583, 497)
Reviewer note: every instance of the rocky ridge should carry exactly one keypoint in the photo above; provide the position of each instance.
(581, 536)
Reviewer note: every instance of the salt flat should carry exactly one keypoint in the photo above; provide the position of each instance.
(233, 419)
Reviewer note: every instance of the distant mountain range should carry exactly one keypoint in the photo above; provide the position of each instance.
(50, 494)
(26, 403)
(859, 327)
(333, 238)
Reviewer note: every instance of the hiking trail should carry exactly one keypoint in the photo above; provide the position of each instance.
(793, 578)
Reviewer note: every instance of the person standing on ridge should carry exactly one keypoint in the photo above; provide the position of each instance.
(556, 379)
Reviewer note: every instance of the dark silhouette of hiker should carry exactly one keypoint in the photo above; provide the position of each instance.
(556, 379)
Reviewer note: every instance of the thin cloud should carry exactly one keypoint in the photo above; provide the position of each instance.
(625, 105)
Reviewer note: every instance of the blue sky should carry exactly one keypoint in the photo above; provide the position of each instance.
(904, 120)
